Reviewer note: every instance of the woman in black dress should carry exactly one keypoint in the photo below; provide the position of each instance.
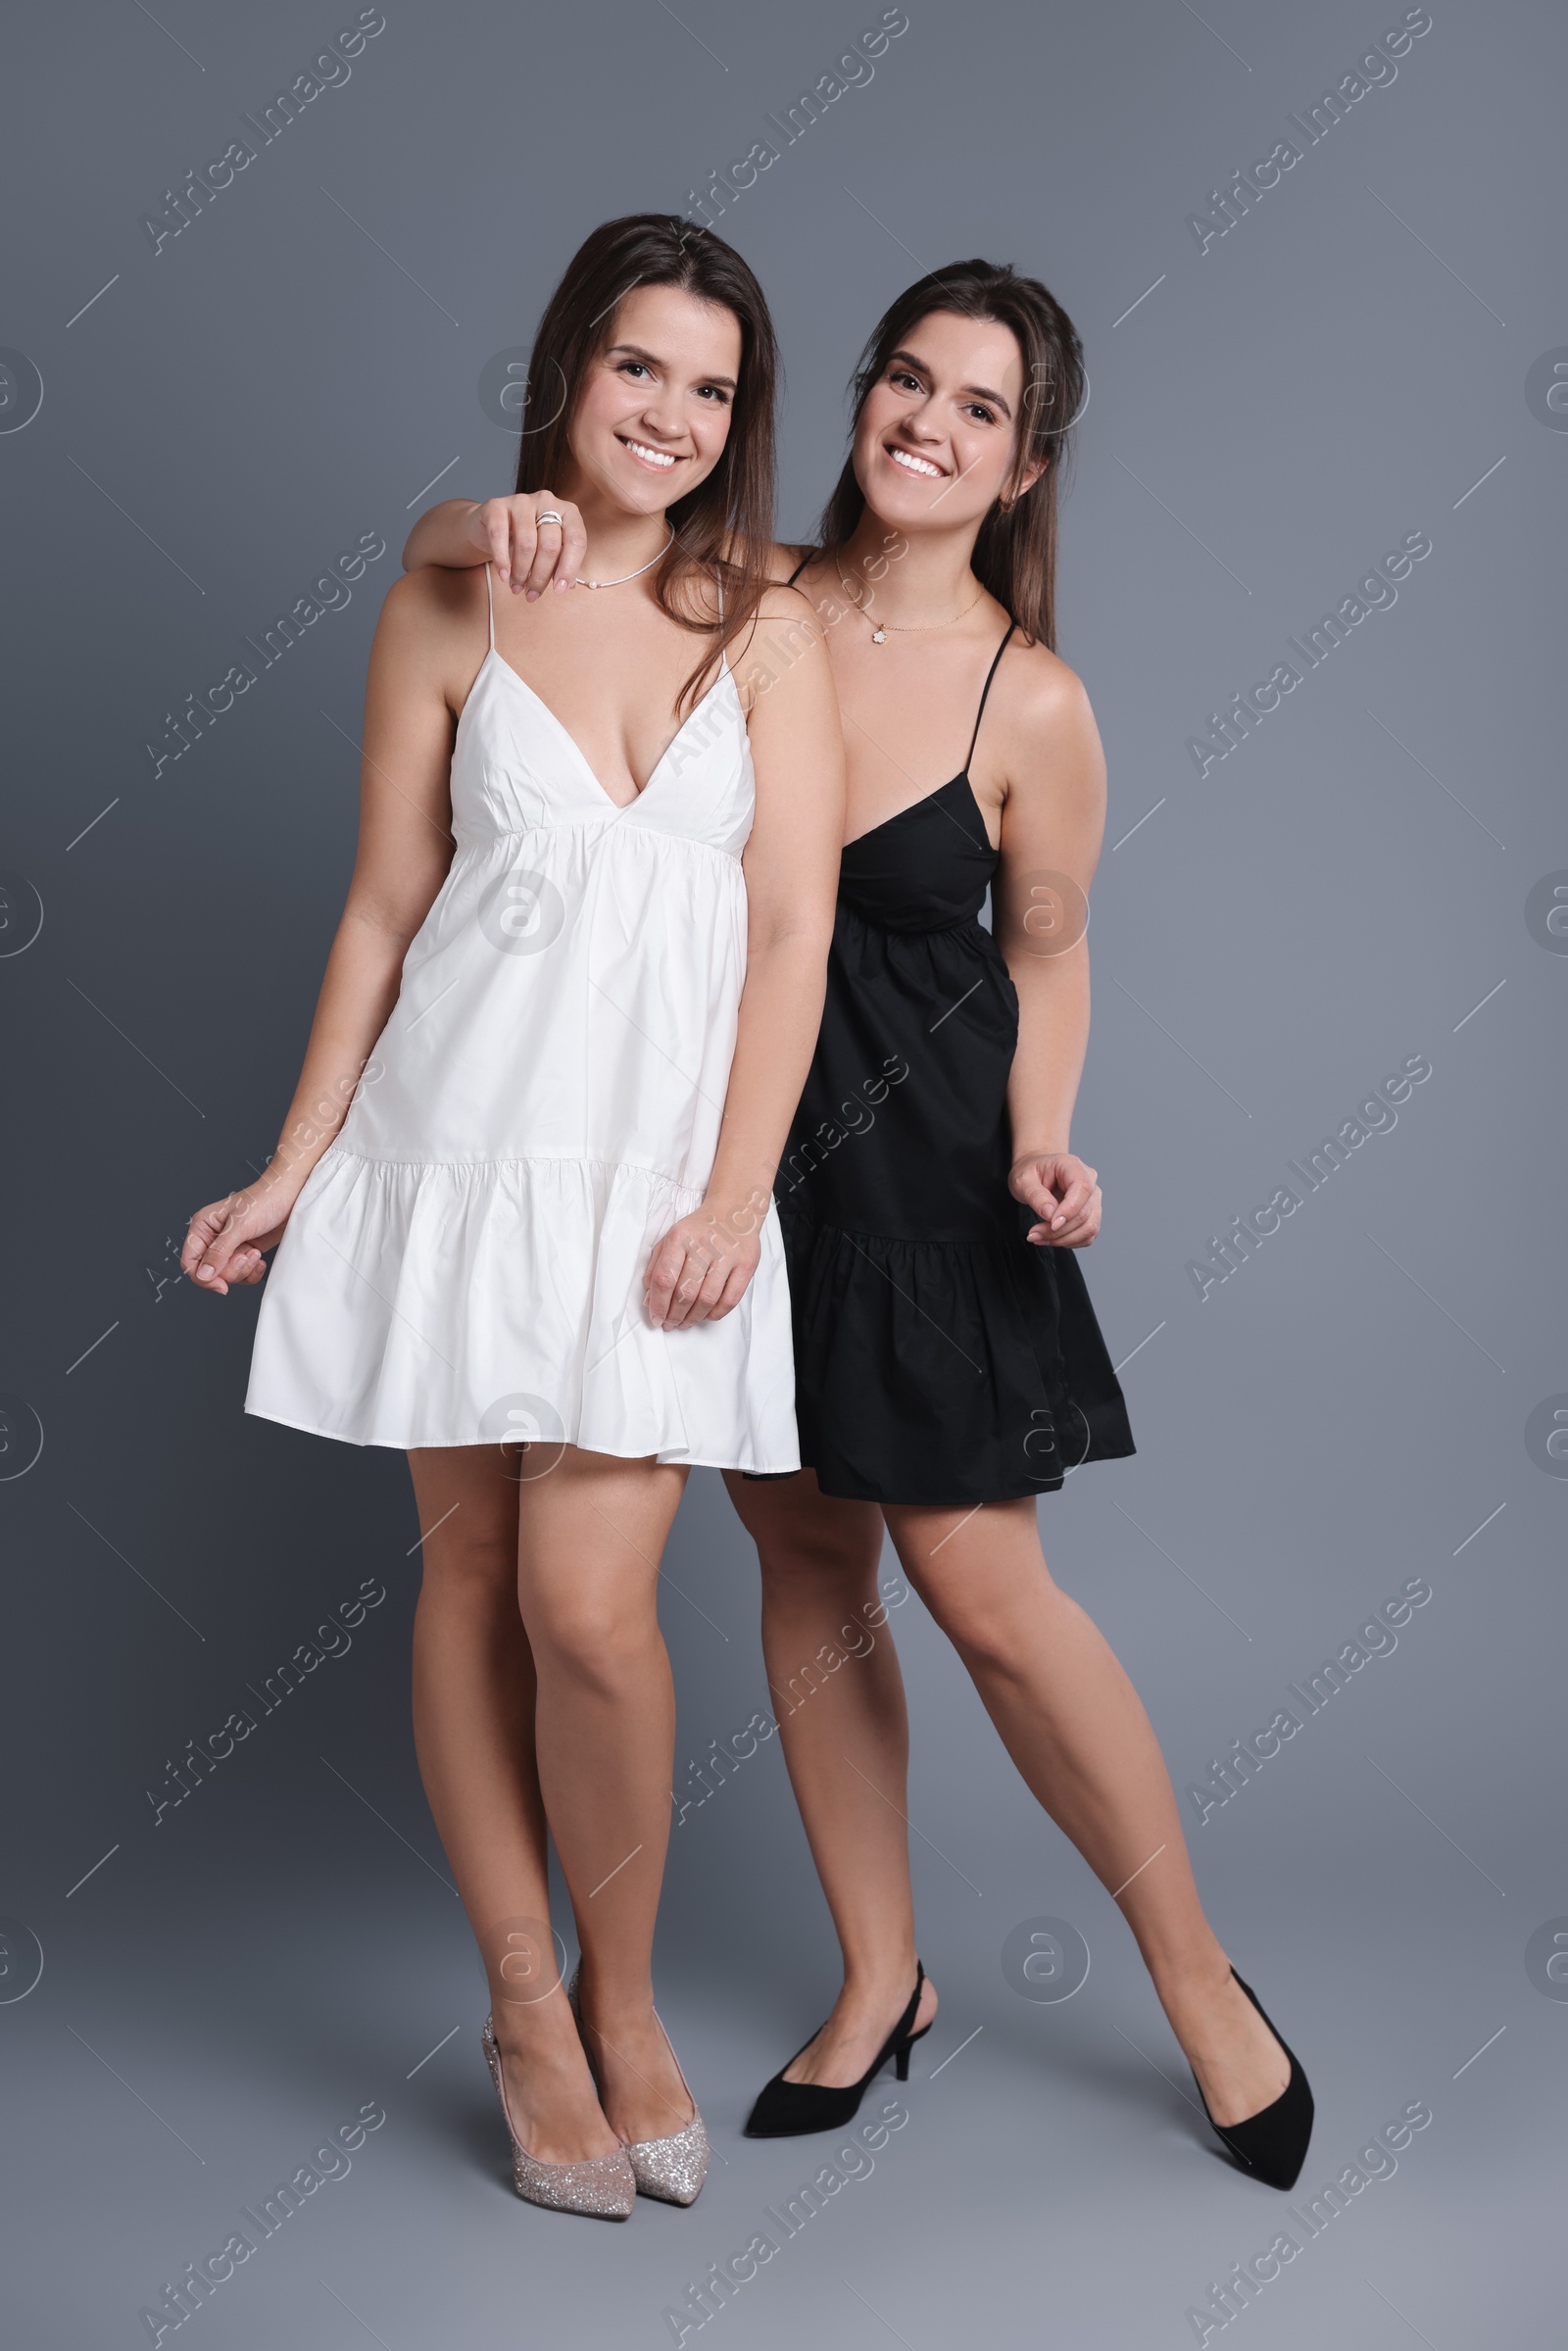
(948, 1366)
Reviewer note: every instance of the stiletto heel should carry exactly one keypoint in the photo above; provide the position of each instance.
(790, 2109)
(674, 2167)
(1271, 2145)
(602, 2186)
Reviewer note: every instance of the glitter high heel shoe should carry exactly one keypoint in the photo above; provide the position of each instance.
(672, 2168)
(602, 2186)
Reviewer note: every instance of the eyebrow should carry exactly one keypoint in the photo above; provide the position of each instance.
(636, 350)
(969, 391)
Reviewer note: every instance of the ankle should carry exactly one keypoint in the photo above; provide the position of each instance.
(611, 2007)
(533, 2028)
(875, 1981)
(1191, 1978)
(613, 1976)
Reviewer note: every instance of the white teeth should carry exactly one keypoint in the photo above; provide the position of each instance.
(655, 457)
(914, 465)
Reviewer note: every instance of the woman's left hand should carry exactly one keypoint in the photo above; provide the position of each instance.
(1064, 1194)
(700, 1270)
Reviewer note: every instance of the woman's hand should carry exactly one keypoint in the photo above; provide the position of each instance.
(225, 1240)
(528, 556)
(1064, 1194)
(700, 1270)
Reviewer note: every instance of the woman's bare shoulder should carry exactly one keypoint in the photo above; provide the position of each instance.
(1037, 690)
(434, 602)
(783, 609)
(1047, 745)
(432, 633)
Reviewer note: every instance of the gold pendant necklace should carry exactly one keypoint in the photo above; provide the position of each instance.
(901, 628)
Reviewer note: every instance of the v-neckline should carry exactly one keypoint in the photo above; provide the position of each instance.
(619, 807)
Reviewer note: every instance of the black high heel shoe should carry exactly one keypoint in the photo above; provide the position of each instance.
(790, 2109)
(1271, 2145)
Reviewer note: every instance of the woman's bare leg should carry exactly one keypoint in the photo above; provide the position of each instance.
(846, 1742)
(1074, 1726)
(473, 1729)
(590, 1534)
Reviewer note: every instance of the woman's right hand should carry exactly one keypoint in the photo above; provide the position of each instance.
(225, 1240)
(528, 556)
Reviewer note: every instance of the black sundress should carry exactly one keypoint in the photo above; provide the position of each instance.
(940, 1357)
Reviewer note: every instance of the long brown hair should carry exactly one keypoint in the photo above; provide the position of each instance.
(1015, 554)
(724, 527)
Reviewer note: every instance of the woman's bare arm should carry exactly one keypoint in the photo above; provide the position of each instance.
(460, 532)
(422, 641)
(701, 1269)
(1052, 823)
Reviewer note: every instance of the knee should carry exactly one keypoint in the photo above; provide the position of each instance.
(600, 1640)
(983, 1627)
(984, 1582)
(820, 1563)
(477, 1565)
(827, 1606)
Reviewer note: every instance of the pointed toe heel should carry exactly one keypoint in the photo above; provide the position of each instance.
(603, 2187)
(793, 2108)
(670, 2169)
(673, 2168)
(1271, 2145)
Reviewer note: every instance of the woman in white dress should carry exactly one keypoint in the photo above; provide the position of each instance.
(523, 1197)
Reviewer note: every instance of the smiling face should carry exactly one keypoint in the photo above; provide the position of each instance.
(935, 440)
(654, 409)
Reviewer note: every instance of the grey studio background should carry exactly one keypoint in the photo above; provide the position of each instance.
(1364, 349)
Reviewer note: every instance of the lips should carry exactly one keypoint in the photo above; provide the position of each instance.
(660, 461)
(920, 468)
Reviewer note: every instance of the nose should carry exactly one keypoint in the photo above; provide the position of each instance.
(661, 414)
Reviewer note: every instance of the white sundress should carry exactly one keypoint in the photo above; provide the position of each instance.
(464, 1262)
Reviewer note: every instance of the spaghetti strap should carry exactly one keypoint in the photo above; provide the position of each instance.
(984, 692)
(724, 669)
(490, 599)
(800, 567)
